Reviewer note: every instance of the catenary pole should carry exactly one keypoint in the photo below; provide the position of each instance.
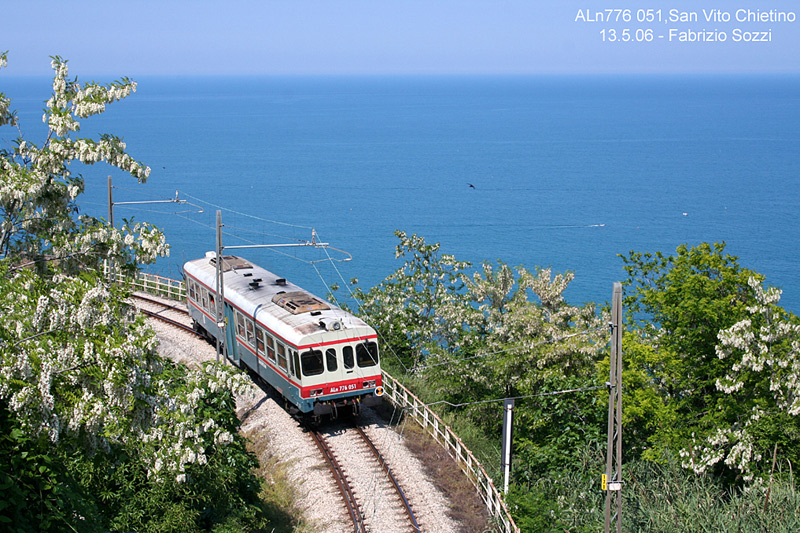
(508, 417)
(110, 204)
(219, 290)
(612, 479)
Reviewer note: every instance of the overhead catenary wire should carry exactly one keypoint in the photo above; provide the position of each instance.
(249, 215)
(539, 395)
(238, 228)
(358, 303)
(393, 450)
(211, 204)
(397, 412)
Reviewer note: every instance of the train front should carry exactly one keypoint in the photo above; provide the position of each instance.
(340, 365)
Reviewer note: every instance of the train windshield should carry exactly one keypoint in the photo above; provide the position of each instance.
(347, 356)
(367, 354)
(311, 363)
(330, 356)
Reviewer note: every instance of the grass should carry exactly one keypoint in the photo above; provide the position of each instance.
(279, 494)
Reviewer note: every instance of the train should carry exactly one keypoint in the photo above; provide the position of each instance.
(322, 359)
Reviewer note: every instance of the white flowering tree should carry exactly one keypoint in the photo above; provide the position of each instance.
(713, 357)
(95, 427)
(524, 340)
(534, 338)
(500, 332)
(410, 305)
(38, 187)
(760, 392)
(79, 363)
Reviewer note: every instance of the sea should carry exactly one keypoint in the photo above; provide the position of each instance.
(561, 172)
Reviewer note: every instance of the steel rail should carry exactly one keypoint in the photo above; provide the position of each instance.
(356, 515)
(159, 316)
(157, 302)
(171, 322)
(388, 471)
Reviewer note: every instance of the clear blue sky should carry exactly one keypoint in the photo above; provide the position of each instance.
(144, 37)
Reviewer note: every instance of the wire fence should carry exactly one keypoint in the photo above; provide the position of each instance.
(158, 285)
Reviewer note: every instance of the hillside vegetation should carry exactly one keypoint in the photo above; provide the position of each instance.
(710, 384)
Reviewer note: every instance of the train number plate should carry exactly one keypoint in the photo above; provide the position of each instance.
(344, 388)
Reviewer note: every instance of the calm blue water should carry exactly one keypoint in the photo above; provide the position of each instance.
(568, 172)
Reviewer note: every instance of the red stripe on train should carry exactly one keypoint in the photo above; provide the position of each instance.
(351, 385)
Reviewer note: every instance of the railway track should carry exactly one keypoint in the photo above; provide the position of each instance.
(381, 504)
(166, 306)
(398, 490)
(342, 482)
(159, 315)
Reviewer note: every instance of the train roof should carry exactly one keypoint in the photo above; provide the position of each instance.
(288, 310)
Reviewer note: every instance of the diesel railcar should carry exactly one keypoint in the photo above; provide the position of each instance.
(322, 359)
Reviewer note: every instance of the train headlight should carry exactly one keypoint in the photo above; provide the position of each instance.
(316, 392)
(368, 384)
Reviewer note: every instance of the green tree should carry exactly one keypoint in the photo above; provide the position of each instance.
(698, 320)
(408, 306)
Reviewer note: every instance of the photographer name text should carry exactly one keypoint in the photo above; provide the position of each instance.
(649, 25)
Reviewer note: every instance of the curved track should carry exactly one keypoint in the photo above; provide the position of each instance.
(384, 496)
(342, 482)
(158, 315)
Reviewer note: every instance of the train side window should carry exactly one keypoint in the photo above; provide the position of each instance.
(259, 340)
(296, 359)
(248, 324)
(367, 354)
(347, 356)
(190, 286)
(239, 324)
(311, 363)
(212, 305)
(282, 356)
(270, 348)
(204, 298)
(330, 359)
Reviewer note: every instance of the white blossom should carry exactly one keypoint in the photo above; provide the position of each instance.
(762, 348)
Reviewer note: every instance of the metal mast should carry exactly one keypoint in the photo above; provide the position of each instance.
(222, 347)
(220, 291)
(612, 479)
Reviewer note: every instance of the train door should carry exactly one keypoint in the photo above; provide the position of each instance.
(332, 364)
(232, 347)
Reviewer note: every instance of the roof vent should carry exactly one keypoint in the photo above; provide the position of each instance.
(255, 283)
(299, 302)
(231, 262)
(280, 281)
